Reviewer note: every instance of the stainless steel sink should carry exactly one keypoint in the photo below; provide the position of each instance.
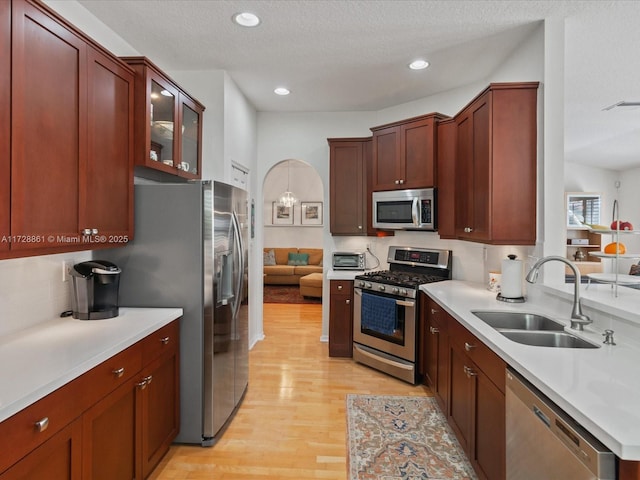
(547, 339)
(532, 329)
(518, 321)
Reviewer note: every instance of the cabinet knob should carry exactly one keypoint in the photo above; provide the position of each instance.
(94, 231)
(164, 340)
(41, 425)
(433, 311)
(468, 346)
(468, 229)
(401, 181)
(86, 231)
(434, 330)
(347, 301)
(118, 372)
(339, 287)
(397, 182)
(359, 227)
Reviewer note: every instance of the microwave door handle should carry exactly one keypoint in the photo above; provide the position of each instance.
(415, 213)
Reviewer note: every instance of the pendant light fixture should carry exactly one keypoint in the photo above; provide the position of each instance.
(288, 199)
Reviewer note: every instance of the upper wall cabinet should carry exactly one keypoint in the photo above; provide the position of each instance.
(404, 154)
(495, 170)
(348, 185)
(5, 124)
(71, 137)
(168, 123)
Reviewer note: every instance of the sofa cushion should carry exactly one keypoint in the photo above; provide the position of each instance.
(282, 255)
(315, 255)
(298, 259)
(303, 270)
(269, 258)
(279, 270)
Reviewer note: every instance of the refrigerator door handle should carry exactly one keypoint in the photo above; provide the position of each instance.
(240, 263)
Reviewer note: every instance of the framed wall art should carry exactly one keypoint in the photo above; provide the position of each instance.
(311, 213)
(281, 214)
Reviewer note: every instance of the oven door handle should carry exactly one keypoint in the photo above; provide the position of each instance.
(402, 303)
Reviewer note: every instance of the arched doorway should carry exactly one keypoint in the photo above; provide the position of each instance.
(295, 230)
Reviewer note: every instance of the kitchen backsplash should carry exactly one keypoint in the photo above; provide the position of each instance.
(32, 290)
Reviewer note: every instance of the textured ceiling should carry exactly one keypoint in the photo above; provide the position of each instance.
(350, 55)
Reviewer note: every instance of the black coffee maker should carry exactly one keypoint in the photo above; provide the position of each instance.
(95, 290)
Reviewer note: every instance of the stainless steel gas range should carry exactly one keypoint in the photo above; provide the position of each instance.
(385, 310)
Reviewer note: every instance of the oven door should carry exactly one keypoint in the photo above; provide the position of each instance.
(395, 336)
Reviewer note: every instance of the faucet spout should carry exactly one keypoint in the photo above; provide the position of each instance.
(578, 319)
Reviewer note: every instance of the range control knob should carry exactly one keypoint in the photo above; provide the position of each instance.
(395, 290)
(361, 283)
(381, 288)
(403, 292)
(367, 285)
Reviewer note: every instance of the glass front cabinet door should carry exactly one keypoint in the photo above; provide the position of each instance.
(168, 123)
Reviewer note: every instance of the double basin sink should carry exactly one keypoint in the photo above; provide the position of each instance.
(532, 329)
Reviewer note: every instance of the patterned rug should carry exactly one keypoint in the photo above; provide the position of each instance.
(402, 438)
(286, 294)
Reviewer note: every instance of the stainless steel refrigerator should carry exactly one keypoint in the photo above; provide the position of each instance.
(190, 251)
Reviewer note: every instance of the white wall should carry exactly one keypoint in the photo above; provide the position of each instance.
(306, 185)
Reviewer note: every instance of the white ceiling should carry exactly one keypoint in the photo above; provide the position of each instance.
(351, 55)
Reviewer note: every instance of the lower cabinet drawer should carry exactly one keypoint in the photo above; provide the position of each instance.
(490, 363)
(30, 427)
(34, 425)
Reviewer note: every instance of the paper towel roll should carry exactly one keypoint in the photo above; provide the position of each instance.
(512, 275)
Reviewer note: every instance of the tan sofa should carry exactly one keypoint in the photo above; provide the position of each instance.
(284, 274)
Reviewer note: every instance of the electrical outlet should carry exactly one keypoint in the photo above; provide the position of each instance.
(65, 270)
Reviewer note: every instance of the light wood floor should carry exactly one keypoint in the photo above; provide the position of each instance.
(292, 423)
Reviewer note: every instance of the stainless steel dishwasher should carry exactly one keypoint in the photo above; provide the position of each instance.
(543, 442)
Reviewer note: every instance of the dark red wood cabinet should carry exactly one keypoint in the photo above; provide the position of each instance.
(115, 421)
(71, 134)
(496, 166)
(404, 153)
(341, 318)
(168, 123)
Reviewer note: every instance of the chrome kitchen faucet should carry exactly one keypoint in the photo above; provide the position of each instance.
(578, 319)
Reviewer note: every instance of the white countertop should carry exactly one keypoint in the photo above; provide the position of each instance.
(599, 388)
(343, 274)
(36, 361)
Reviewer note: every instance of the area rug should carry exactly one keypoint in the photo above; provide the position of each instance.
(402, 438)
(286, 294)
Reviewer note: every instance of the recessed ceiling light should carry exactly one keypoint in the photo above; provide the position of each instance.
(246, 19)
(282, 91)
(418, 65)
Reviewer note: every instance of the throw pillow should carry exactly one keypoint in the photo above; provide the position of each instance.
(269, 258)
(635, 269)
(298, 259)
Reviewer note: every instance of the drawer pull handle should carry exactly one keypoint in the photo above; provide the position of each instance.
(164, 340)
(433, 311)
(348, 302)
(469, 372)
(41, 425)
(468, 346)
(339, 287)
(434, 330)
(145, 381)
(118, 372)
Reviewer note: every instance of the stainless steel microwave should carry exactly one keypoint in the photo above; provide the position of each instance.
(348, 261)
(405, 209)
